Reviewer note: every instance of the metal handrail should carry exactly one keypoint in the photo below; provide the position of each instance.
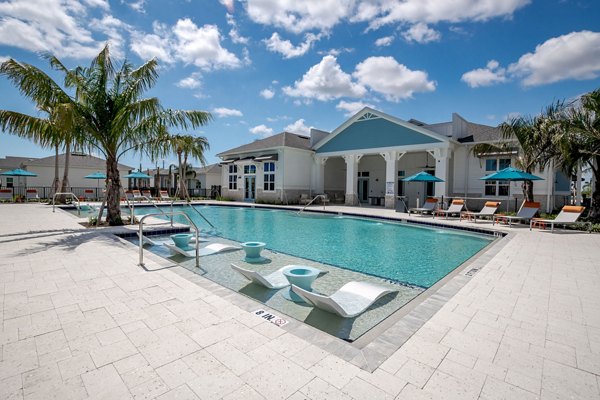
(197, 212)
(141, 235)
(67, 194)
(313, 200)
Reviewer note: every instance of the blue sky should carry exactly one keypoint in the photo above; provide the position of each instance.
(264, 66)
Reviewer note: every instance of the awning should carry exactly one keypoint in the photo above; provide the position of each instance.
(228, 161)
(268, 157)
(245, 159)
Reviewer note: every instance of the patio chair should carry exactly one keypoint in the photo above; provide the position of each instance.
(6, 195)
(350, 300)
(526, 213)
(488, 211)
(137, 195)
(274, 280)
(89, 194)
(339, 198)
(567, 216)
(147, 195)
(428, 207)
(164, 195)
(129, 195)
(212, 248)
(304, 199)
(32, 194)
(455, 208)
(324, 199)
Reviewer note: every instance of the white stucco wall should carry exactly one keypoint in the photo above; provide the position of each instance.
(296, 169)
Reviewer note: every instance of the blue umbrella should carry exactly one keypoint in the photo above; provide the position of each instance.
(137, 175)
(97, 176)
(422, 177)
(18, 172)
(511, 174)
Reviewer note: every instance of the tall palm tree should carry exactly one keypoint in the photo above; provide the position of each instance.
(533, 140)
(108, 112)
(186, 147)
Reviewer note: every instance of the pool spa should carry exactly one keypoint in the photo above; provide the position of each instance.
(405, 258)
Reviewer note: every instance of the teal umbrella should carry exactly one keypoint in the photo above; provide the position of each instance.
(18, 172)
(137, 175)
(511, 174)
(422, 177)
(97, 176)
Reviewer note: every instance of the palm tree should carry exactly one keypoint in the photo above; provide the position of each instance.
(186, 146)
(533, 140)
(108, 112)
(580, 142)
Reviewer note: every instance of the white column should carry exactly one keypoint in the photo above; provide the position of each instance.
(391, 179)
(442, 170)
(320, 174)
(352, 178)
(578, 187)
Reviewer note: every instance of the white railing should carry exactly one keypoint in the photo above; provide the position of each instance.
(319, 196)
(66, 194)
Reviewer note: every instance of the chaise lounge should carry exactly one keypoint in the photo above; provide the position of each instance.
(526, 213)
(454, 209)
(274, 280)
(210, 249)
(428, 207)
(488, 211)
(350, 300)
(567, 216)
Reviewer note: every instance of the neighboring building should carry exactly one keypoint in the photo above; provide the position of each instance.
(365, 159)
(207, 181)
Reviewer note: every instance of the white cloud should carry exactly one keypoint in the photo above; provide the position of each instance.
(233, 32)
(487, 76)
(229, 4)
(223, 112)
(392, 79)
(352, 107)
(298, 127)
(57, 26)
(4, 59)
(261, 130)
(286, 48)
(572, 56)
(421, 33)
(191, 82)
(384, 41)
(299, 16)
(325, 81)
(136, 5)
(335, 52)
(267, 93)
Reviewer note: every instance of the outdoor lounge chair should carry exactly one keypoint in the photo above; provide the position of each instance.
(164, 195)
(526, 213)
(212, 248)
(6, 195)
(304, 199)
(428, 207)
(153, 242)
(455, 208)
(88, 194)
(147, 195)
(274, 280)
(349, 301)
(567, 216)
(32, 194)
(488, 210)
(129, 195)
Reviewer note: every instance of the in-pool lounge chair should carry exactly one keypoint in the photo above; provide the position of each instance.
(212, 248)
(274, 280)
(350, 300)
(488, 211)
(455, 208)
(154, 242)
(567, 216)
(428, 207)
(32, 194)
(6, 195)
(526, 213)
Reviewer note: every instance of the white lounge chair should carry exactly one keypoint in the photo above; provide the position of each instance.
(212, 248)
(152, 242)
(567, 216)
(164, 195)
(274, 280)
(526, 213)
(428, 207)
(455, 208)
(32, 194)
(349, 301)
(488, 211)
(6, 195)
(88, 194)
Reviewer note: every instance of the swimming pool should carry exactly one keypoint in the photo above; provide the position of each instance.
(403, 253)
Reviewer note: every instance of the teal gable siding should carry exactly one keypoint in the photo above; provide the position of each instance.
(374, 133)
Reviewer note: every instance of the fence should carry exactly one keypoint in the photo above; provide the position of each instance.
(46, 192)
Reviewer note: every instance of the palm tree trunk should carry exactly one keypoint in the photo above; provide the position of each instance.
(182, 194)
(113, 192)
(185, 188)
(528, 190)
(64, 187)
(56, 181)
(595, 206)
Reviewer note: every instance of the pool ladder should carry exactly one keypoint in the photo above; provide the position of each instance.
(319, 196)
(141, 234)
(67, 194)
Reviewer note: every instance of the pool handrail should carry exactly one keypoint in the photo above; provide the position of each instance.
(319, 196)
(141, 234)
(67, 194)
(198, 212)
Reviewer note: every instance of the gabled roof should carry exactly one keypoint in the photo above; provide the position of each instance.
(482, 133)
(283, 139)
(209, 169)
(10, 162)
(393, 132)
(77, 160)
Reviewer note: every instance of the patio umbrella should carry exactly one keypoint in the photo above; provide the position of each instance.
(97, 176)
(18, 172)
(511, 174)
(422, 177)
(137, 175)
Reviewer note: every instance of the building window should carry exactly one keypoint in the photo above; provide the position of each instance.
(9, 182)
(249, 169)
(496, 188)
(430, 186)
(233, 177)
(363, 174)
(401, 175)
(269, 178)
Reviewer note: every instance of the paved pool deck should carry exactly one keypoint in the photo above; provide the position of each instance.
(81, 320)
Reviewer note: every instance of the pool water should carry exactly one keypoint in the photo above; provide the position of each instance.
(403, 253)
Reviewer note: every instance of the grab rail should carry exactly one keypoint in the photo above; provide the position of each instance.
(67, 194)
(197, 212)
(323, 196)
(141, 235)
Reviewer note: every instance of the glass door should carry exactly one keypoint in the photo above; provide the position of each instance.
(249, 188)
